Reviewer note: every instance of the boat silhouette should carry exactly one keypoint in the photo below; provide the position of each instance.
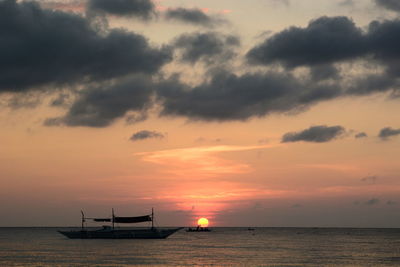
(110, 232)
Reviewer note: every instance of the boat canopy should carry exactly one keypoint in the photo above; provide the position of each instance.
(138, 219)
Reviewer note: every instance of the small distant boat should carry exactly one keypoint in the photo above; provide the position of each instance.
(198, 229)
(109, 232)
(251, 229)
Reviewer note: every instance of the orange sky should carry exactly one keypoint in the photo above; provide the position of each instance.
(235, 173)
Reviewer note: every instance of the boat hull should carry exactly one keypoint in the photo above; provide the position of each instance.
(120, 234)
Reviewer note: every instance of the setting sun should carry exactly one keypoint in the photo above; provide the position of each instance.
(203, 222)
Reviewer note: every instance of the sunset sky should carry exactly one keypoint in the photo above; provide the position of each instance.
(247, 113)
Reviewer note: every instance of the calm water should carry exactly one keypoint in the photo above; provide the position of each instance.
(222, 247)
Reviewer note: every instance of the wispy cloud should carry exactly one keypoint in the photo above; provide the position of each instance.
(200, 161)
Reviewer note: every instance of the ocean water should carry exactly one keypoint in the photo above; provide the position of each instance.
(221, 247)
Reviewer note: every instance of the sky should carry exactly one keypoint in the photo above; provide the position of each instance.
(274, 113)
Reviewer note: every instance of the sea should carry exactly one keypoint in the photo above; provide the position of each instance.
(220, 247)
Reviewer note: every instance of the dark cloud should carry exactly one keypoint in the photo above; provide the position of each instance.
(227, 96)
(324, 72)
(329, 40)
(45, 47)
(317, 134)
(325, 40)
(193, 16)
(145, 134)
(389, 4)
(61, 100)
(210, 47)
(144, 9)
(388, 132)
(101, 106)
(360, 135)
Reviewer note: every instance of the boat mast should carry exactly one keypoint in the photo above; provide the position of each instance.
(113, 219)
(83, 220)
(152, 218)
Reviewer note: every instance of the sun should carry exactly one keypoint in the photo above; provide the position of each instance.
(203, 222)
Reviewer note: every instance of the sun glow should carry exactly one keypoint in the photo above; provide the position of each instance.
(203, 222)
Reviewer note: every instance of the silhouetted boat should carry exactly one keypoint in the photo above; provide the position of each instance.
(109, 232)
(198, 229)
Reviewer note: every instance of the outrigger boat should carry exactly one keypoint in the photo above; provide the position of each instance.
(198, 229)
(109, 232)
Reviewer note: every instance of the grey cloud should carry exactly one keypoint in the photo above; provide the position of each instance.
(145, 134)
(324, 72)
(227, 96)
(389, 4)
(388, 132)
(360, 135)
(317, 134)
(101, 106)
(325, 40)
(193, 16)
(144, 9)
(329, 40)
(45, 47)
(210, 47)
(61, 100)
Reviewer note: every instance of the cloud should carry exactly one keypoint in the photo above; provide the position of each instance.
(324, 72)
(324, 41)
(360, 135)
(317, 134)
(200, 161)
(43, 47)
(101, 106)
(227, 96)
(145, 134)
(388, 132)
(210, 47)
(144, 9)
(329, 40)
(193, 16)
(389, 4)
